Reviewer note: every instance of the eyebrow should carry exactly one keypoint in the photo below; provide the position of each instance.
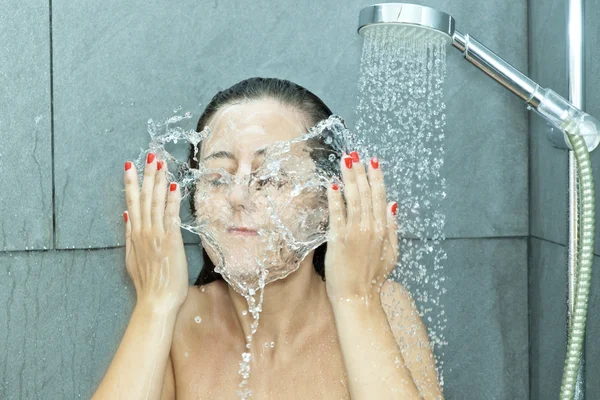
(227, 154)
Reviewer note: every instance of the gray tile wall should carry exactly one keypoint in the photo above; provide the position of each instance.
(115, 65)
(549, 202)
(25, 119)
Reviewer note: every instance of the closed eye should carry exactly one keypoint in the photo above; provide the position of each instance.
(280, 180)
(214, 179)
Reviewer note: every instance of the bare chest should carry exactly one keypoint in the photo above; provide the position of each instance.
(207, 368)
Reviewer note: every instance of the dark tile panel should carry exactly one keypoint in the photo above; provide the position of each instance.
(64, 314)
(25, 126)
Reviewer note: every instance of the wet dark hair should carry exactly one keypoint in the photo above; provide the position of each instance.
(288, 94)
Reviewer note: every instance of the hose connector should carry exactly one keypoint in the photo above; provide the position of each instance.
(568, 118)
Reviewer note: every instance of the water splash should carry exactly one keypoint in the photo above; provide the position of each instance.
(401, 119)
(294, 175)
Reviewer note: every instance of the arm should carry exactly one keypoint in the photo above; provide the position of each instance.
(168, 388)
(362, 250)
(374, 365)
(138, 368)
(156, 263)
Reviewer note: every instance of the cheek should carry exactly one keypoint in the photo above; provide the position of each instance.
(301, 207)
(210, 206)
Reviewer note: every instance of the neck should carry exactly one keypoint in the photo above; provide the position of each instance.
(293, 309)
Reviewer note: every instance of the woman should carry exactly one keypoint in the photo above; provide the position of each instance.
(336, 334)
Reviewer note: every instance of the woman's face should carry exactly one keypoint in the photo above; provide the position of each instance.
(259, 203)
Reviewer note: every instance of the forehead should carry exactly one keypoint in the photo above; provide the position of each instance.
(243, 128)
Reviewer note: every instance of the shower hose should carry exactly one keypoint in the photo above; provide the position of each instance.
(585, 257)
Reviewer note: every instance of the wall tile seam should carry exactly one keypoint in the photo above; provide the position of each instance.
(518, 237)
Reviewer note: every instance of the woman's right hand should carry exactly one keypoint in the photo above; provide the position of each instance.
(155, 256)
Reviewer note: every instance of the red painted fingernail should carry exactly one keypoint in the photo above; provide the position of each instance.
(159, 165)
(150, 158)
(375, 162)
(394, 208)
(334, 186)
(127, 165)
(348, 161)
(173, 187)
(355, 157)
(125, 216)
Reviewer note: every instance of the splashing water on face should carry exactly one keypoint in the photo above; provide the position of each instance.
(284, 214)
(401, 119)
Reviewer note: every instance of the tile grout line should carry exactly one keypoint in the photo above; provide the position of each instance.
(29, 251)
(553, 242)
(529, 173)
(52, 128)
(198, 244)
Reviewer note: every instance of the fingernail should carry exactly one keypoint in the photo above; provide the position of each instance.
(375, 162)
(334, 186)
(348, 161)
(394, 208)
(125, 216)
(127, 165)
(173, 187)
(355, 157)
(159, 165)
(150, 158)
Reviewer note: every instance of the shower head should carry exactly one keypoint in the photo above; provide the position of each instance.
(427, 23)
(407, 15)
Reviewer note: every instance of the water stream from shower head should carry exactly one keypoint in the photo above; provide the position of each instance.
(426, 21)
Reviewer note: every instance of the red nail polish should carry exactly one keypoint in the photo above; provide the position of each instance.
(348, 161)
(173, 187)
(375, 162)
(334, 186)
(394, 208)
(150, 158)
(159, 165)
(355, 157)
(125, 216)
(127, 165)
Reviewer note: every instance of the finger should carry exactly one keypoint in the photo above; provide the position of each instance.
(147, 189)
(337, 209)
(364, 191)
(159, 197)
(132, 195)
(393, 227)
(350, 193)
(127, 235)
(127, 231)
(171, 222)
(377, 193)
(129, 251)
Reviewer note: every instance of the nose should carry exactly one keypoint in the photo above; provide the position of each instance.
(238, 196)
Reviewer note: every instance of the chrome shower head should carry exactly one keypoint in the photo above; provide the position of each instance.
(407, 15)
(427, 23)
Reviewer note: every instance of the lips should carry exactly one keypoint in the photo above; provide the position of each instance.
(240, 230)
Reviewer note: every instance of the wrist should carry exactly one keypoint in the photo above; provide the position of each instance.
(356, 295)
(157, 308)
(356, 303)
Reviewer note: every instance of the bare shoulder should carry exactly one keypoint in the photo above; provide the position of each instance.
(201, 305)
(202, 296)
(201, 338)
(394, 294)
(411, 336)
(402, 313)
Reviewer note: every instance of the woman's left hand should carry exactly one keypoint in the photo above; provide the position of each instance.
(362, 248)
